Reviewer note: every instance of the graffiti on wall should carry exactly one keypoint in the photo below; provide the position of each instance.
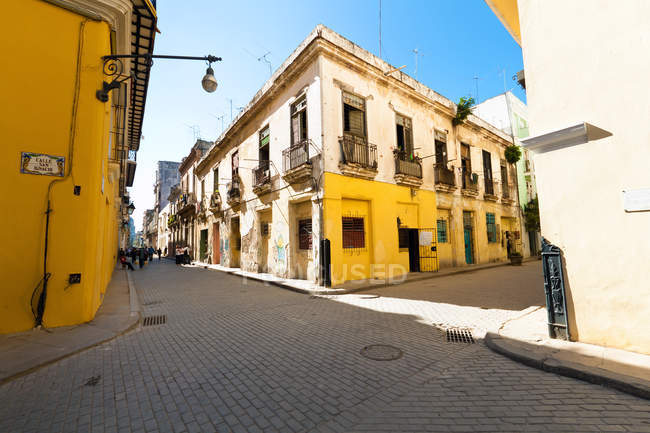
(280, 254)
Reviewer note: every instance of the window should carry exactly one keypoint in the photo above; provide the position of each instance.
(441, 153)
(299, 121)
(354, 115)
(466, 164)
(487, 172)
(491, 227)
(265, 228)
(403, 235)
(442, 231)
(215, 179)
(404, 134)
(265, 138)
(304, 234)
(202, 188)
(505, 191)
(235, 165)
(353, 233)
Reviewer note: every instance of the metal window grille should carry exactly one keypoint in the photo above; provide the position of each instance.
(491, 227)
(442, 231)
(304, 234)
(265, 229)
(353, 233)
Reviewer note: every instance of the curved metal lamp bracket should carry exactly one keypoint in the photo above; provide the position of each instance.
(113, 67)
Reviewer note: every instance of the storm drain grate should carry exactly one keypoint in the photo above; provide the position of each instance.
(93, 381)
(459, 335)
(381, 352)
(154, 320)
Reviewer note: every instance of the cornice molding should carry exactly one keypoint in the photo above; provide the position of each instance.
(111, 11)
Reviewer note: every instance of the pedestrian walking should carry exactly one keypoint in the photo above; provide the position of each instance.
(142, 255)
(186, 255)
(159, 254)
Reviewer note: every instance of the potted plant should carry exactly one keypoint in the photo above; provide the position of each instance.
(515, 258)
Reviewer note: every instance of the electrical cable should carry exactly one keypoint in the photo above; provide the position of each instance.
(40, 310)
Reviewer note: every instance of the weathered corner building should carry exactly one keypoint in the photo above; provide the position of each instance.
(341, 169)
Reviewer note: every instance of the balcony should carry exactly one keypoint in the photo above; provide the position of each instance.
(408, 169)
(186, 203)
(508, 194)
(234, 193)
(489, 191)
(358, 157)
(445, 178)
(262, 178)
(470, 184)
(215, 202)
(296, 165)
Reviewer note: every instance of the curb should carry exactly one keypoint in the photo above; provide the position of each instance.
(129, 328)
(546, 362)
(336, 292)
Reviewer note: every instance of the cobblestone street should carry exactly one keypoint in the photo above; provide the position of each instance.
(239, 356)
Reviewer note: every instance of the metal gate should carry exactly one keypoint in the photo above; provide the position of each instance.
(554, 289)
(428, 250)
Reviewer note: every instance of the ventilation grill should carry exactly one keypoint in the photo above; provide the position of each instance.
(154, 320)
(459, 335)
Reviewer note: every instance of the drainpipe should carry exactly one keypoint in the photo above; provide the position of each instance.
(321, 187)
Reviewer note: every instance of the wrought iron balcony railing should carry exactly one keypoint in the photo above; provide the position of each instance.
(262, 174)
(444, 175)
(470, 181)
(295, 156)
(234, 192)
(407, 163)
(489, 186)
(357, 150)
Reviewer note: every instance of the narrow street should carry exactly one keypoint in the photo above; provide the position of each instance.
(236, 355)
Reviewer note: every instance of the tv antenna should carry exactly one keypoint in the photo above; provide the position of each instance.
(219, 118)
(262, 58)
(476, 78)
(417, 53)
(196, 131)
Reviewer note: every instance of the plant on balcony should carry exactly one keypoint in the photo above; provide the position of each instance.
(171, 220)
(513, 153)
(463, 109)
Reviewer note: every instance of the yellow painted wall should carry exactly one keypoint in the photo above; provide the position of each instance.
(380, 204)
(39, 65)
(445, 251)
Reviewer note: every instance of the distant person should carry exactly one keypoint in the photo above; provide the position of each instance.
(159, 254)
(165, 251)
(125, 262)
(186, 255)
(142, 256)
(178, 255)
(508, 243)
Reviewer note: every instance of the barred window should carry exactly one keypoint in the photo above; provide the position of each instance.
(442, 231)
(353, 233)
(304, 234)
(491, 227)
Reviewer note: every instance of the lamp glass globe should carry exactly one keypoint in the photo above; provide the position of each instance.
(209, 83)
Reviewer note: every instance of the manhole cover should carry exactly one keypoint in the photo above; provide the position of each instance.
(154, 320)
(381, 352)
(459, 335)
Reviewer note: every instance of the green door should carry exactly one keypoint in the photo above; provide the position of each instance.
(467, 225)
(203, 247)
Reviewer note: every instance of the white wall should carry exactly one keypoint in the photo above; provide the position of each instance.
(588, 61)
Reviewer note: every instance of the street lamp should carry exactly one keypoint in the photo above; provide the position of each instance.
(113, 67)
(130, 208)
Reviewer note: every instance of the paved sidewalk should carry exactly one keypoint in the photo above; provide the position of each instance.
(525, 339)
(24, 352)
(311, 288)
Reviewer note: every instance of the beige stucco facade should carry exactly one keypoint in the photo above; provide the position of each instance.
(588, 62)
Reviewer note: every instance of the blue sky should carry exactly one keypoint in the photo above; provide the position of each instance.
(457, 40)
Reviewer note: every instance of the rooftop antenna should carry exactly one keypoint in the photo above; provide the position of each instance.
(267, 61)
(196, 131)
(503, 72)
(261, 59)
(417, 53)
(380, 29)
(228, 99)
(219, 118)
(476, 78)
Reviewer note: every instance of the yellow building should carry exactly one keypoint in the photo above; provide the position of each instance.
(329, 173)
(65, 164)
(591, 160)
